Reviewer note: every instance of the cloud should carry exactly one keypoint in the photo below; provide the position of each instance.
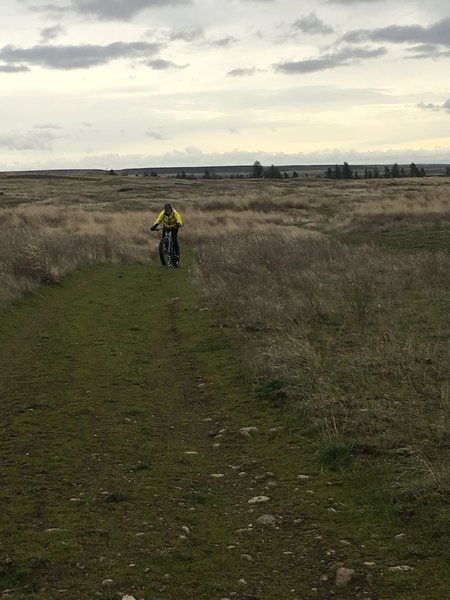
(222, 42)
(47, 126)
(27, 141)
(341, 58)
(51, 33)
(311, 24)
(156, 135)
(110, 10)
(196, 34)
(242, 72)
(162, 65)
(13, 69)
(77, 57)
(437, 33)
(188, 34)
(436, 107)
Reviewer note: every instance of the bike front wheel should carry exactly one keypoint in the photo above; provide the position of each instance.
(164, 253)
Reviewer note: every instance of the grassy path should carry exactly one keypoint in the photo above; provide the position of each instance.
(123, 469)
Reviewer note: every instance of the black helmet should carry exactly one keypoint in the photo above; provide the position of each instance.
(167, 206)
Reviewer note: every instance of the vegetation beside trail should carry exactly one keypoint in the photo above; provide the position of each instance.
(343, 368)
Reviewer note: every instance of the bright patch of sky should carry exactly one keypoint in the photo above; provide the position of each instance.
(129, 83)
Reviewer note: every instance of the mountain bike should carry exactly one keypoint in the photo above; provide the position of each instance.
(166, 253)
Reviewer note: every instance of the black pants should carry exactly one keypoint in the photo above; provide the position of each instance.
(174, 231)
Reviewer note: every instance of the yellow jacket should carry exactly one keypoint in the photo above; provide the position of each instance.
(169, 221)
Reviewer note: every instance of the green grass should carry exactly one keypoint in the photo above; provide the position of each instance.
(109, 384)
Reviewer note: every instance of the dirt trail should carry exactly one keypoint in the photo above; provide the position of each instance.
(124, 470)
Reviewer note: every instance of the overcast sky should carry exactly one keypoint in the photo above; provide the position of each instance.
(130, 83)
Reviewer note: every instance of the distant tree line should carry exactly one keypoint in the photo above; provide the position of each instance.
(271, 172)
(345, 172)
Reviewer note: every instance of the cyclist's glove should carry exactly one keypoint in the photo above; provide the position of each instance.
(153, 227)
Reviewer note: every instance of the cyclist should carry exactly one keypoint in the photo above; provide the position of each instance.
(171, 219)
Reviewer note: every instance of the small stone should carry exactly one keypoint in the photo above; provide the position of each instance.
(400, 536)
(8, 561)
(190, 452)
(304, 477)
(344, 576)
(127, 597)
(217, 475)
(242, 581)
(258, 500)
(107, 582)
(369, 564)
(185, 528)
(182, 538)
(246, 432)
(266, 520)
(242, 474)
(400, 569)
(247, 557)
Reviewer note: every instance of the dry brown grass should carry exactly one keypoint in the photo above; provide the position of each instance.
(400, 208)
(39, 244)
(356, 336)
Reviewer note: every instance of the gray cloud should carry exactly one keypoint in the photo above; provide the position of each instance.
(311, 24)
(188, 34)
(162, 65)
(13, 69)
(196, 34)
(51, 33)
(77, 57)
(223, 42)
(109, 10)
(436, 107)
(340, 58)
(242, 72)
(437, 33)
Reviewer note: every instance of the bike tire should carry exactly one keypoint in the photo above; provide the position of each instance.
(164, 255)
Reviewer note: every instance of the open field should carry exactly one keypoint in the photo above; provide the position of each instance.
(334, 295)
